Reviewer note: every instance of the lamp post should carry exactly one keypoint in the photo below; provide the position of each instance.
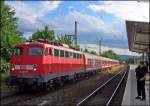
(100, 46)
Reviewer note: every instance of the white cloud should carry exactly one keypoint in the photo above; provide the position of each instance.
(128, 10)
(89, 27)
(120, 51)
(33, 13)
(48, 6)
(86, 23)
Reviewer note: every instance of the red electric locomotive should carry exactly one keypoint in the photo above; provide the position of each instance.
(41, 64)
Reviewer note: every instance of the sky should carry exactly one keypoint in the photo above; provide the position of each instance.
(96, 19)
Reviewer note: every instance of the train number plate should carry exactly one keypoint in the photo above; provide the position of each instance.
(23, 67)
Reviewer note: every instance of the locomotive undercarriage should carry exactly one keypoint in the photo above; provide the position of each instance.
(37, 83)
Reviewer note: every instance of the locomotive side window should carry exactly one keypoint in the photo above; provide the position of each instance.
(61, 53)
(35, 51)
(46, 51)
(50, 51)
(56, 52)
(17, 51)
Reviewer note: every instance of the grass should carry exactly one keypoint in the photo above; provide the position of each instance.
(116, 69)
(4, 76)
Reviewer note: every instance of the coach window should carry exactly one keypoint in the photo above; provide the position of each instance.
(61, 53)
(74, 55)
(80, 55)
(66, 54)
(88, 61)
(35, 51)
(17, 51)
(56, 52)
(71, 54)
(77, 56)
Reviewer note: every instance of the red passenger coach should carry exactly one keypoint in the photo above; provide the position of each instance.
(44, 63)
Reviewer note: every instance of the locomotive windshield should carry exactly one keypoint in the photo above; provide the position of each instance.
(17, 51)
(35, 51)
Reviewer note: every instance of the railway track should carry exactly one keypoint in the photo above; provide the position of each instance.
(16, 98)
(105, 94)
(25, 96)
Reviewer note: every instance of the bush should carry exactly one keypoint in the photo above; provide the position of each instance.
(5, 67)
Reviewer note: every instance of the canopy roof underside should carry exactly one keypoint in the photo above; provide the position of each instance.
(138, 36)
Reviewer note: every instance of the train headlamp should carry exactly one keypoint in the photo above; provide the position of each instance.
(34, 67)
(12, 67)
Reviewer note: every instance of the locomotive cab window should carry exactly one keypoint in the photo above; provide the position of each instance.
(35, 51)
(17, 51)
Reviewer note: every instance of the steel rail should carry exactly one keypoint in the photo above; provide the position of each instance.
(117, 88)
(99, 88)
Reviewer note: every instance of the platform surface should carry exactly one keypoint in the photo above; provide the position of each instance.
(131, 90)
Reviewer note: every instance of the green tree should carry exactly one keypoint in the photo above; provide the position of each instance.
(65, 39)
(93, 52)
(111, 54)
(10, 36)
(86, 50)
(45, 34)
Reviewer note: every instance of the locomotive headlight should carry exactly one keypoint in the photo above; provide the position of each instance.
(34, 67)
(12, 67)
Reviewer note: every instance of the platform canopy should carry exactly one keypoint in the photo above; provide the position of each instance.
(138, 36)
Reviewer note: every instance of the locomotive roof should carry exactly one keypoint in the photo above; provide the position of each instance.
(43, 44)
(30, 43)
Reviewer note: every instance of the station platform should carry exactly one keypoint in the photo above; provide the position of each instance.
(131, 90)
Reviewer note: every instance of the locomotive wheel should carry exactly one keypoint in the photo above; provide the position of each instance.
(58, 82)
(76, 76)
(35, 87)
(61, 83)
(21, 88)
(43, 86)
